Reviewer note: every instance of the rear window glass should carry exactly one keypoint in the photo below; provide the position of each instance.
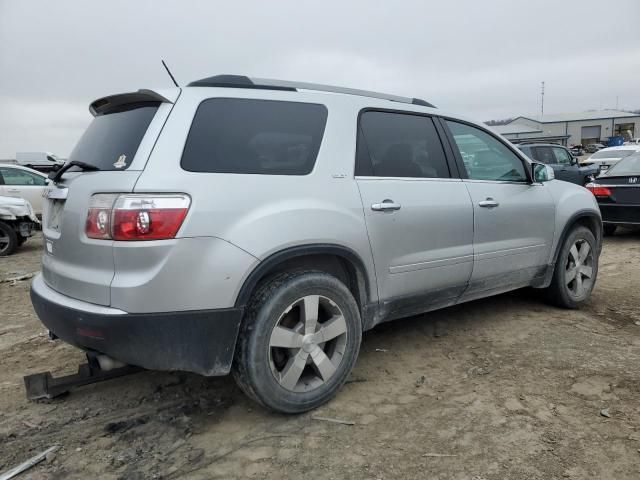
(231, 135)
(627, 166)
(111, 140)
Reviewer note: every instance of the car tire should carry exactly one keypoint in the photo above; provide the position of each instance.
(8, 240)
(576, 270)
(286, 361)
(609, 229)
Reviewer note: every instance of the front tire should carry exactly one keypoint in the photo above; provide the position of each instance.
(8, 240)
(576, 270)
(299, 341)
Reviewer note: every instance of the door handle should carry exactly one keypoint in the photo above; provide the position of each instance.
(489, 203)
(386, 206)
(13, 190)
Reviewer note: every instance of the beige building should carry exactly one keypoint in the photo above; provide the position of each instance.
(594, 126)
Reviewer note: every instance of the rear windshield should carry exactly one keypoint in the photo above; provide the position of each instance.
(613, 153)
(111, 140)
(628, 166)
(232, 135)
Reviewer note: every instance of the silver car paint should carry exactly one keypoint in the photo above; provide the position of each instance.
(425, 245)
(235, 221)
(73, 264)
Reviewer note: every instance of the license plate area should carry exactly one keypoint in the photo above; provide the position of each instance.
(54, 219)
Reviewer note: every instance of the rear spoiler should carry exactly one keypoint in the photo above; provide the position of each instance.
(123, 101)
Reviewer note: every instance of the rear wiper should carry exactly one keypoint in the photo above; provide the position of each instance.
(56, 175)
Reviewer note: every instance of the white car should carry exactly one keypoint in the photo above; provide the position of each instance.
(607, 157)
(23, 182)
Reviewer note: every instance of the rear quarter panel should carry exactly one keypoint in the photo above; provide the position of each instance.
(263, 214)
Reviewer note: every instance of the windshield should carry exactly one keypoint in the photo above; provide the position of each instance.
(111, 140)
(627, 166)
(612, 154)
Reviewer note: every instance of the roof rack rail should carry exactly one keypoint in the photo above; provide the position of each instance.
(241, 81)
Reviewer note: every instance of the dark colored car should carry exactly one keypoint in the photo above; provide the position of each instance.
(565, 166)
(576, 150)
(593, 147)
(618, 194)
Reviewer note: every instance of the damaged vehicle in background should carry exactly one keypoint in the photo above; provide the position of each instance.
(564, 164)
(17, 222)
(607, 157)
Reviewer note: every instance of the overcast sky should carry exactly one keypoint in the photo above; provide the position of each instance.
(484, 59)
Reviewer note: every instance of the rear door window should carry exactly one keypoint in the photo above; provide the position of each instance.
(399, 145)
(232, 135)
(14, 176)
(112, 139)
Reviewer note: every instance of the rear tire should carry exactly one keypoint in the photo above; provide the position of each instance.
(299, 341)
(576, 270)
(609, 229)
(8, 240)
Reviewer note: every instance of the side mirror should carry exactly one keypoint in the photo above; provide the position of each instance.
(542, 173)
(574, 161)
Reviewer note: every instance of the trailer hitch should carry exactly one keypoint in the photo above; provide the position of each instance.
(44, 385)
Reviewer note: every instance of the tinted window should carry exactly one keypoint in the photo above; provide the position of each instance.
(14, 176)
(562, 156)
(484, 156)
(114, 138)
(399, 145)
(544, 155)
(254, 136)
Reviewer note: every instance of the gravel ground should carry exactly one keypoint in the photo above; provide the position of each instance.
(502, 388)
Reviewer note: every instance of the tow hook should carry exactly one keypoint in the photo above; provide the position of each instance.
(97, 369)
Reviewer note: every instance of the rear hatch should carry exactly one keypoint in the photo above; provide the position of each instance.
(117, 144)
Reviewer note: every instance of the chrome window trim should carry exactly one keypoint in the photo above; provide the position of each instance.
(420, 179)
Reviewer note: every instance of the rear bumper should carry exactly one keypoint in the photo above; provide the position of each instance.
(620, 214)
(200, 341)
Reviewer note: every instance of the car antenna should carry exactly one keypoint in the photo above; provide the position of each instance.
(169, 72)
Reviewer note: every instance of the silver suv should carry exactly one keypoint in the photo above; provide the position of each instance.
(259, 227)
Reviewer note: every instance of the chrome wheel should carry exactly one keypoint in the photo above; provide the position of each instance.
(579, 269)
(307, 343)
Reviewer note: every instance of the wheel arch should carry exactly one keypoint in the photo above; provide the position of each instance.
(586, 218)
(338, 260)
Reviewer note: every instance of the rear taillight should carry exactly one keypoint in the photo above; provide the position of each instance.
(136, 216)
(598, 190)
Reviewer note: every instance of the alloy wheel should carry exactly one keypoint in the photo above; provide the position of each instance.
(307, 343)
(579, 268)
(4, 241)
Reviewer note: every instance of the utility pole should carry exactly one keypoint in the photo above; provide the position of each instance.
(542, 100)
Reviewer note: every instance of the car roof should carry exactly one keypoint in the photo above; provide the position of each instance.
(632, 146)
(20, 167)
(242, 81)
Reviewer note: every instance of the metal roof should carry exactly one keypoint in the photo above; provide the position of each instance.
(241, 81)
(577, 116)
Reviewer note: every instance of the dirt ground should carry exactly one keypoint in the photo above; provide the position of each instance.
(502, 388)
